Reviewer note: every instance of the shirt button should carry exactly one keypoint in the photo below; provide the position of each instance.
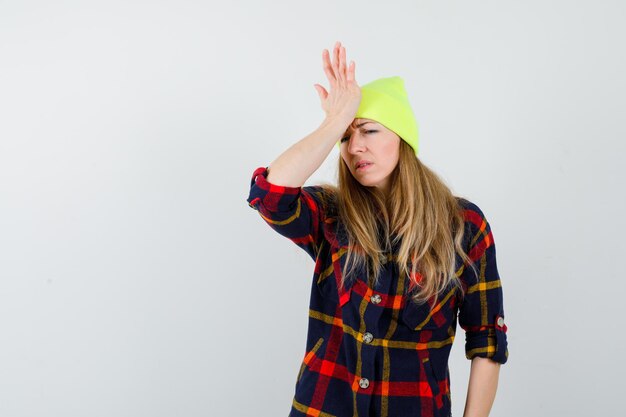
(500, 321)
(364, 383)
(368, 337)
(375, 299)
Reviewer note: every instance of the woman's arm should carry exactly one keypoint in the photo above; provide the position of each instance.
(481, 314)
(294, 166)
(481, 390)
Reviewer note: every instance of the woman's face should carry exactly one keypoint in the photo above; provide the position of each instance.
(374, 143)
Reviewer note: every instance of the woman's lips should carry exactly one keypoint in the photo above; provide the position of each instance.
(364, 167)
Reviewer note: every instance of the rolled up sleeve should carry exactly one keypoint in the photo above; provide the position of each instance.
(294, 212)
(481, 313)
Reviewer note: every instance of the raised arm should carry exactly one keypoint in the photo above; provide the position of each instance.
(294, 166)
(277, 191)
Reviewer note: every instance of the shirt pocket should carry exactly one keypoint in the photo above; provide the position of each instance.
(310, 358)
(328, 286)
(423, 317)
(433, 382)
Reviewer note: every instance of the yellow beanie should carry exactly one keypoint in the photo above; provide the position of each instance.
(385, 100)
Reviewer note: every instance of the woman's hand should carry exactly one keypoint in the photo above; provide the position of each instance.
(345, 94)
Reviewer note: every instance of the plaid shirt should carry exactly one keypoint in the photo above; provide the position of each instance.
(371, 351)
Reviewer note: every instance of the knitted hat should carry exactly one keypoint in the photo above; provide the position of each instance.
(385, 100)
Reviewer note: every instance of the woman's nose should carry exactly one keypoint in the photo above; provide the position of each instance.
(355, 144)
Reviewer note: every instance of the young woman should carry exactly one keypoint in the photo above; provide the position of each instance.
(397, 258)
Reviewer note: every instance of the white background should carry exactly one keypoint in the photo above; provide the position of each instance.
(136, 281)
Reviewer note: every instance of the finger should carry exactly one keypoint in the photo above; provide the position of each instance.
(327, 67)
(350, 75)
(321, 91)
(335, 64)
(342, 64)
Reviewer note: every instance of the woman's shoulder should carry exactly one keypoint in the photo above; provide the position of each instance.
(476, 222)
(470, 208)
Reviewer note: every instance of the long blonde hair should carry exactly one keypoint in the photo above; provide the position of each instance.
(420, 214)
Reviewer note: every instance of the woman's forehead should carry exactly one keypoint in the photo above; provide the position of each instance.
(360, 122)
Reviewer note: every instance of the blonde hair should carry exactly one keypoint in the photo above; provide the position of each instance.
(420, 213)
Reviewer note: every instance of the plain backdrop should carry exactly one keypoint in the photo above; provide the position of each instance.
(135, 280)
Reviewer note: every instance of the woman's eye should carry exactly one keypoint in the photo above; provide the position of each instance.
(364, 131)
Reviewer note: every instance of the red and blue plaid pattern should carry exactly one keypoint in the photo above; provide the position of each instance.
(371, 351)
